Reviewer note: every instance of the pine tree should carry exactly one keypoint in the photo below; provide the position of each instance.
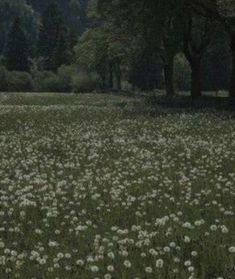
(2, 36)
(17, 48)
(49, 34)
(62, 53)
(55, 40)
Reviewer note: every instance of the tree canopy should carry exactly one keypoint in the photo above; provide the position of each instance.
(140, 44)
(17, 48)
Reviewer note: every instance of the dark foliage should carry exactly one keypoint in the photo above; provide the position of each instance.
(17, 48)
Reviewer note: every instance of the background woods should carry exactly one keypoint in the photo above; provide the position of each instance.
(87, 45)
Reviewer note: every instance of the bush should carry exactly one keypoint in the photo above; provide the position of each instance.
(3, 78)
(84, 83)
(65, 74)
(19, 81)
(46, 81)
(42, 80)
(53, 84)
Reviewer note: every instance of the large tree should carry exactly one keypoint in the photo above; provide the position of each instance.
(224, 12)
(17, 48)
(49, 34)
(62, 53)
(11, 9)
(54, 37)
(154, 23)
(149, 19)
(102, 49)
(199, 33)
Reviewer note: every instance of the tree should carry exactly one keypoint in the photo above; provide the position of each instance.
(78, 15)
(153, 22)
(198, 35)
(91, 54)
(49, 34)
(11, 9)
(222, 11)
(62, 54)
(17, 48)
(102, 49)
(216, 65)
(2, 36)
(150, 19)
(73, 12)
(170, 45)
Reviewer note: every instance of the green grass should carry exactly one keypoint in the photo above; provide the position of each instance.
(104, 186)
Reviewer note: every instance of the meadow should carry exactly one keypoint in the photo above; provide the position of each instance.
(106, 187)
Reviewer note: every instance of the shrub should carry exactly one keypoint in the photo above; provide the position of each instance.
(19, 81)
(52, 84)
(84, 83)
(3, 78)
(41, 80)
(65, 74)
(46, 81)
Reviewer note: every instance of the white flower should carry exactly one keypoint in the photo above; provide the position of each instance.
(127, 263)
(191, 269)
(231, 249)
(110, 268)
(143, 255)
(186, 239)
(166, 249)
(224, 229)
(53, 243)
(148, 269)
(80, 262)
(187, 263)
(213, 228)
(187, 225)
(159, 263)
(60, 255)
(94, 268)
(42, 261)
(67, 255)
(111, 255)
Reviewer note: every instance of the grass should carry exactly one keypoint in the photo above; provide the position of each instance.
(104, 186)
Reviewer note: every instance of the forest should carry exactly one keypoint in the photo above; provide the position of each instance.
(91, 45)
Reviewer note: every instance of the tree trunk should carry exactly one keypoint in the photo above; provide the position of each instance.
(133, 87)
(169, 77)
(111, 76)
(119, 77)
(232, 82)
(102, 85)
(196, 80)
(119, 82)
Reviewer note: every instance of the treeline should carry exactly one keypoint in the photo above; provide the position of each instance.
(87, 45)
(37, 40)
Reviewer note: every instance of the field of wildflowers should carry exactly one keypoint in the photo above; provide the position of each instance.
(94, 186)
